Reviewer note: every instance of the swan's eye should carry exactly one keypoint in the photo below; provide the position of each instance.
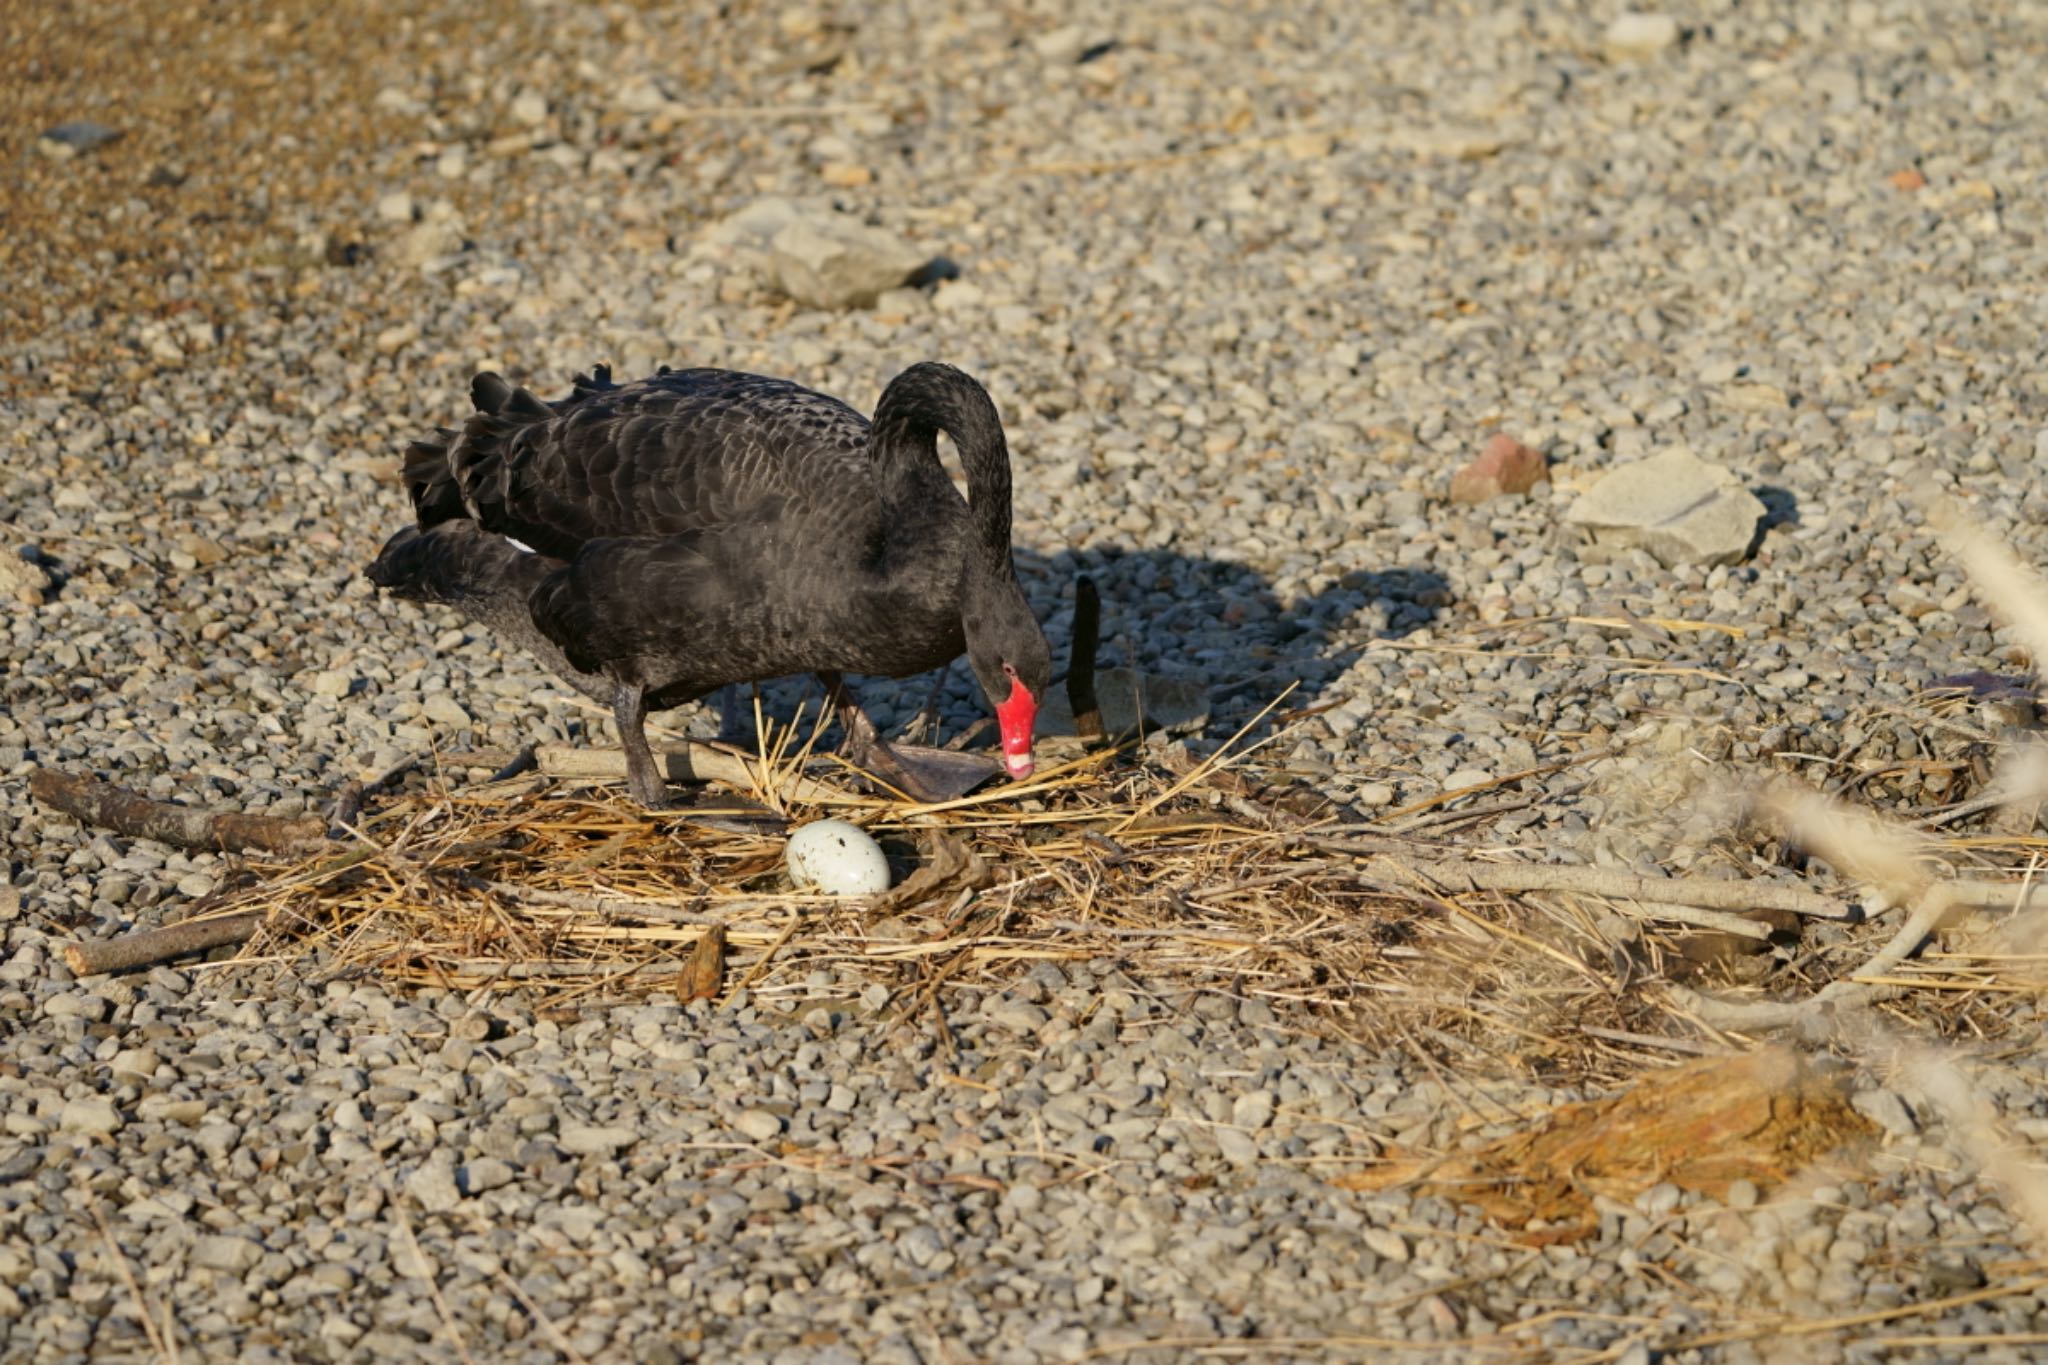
(1010, 671)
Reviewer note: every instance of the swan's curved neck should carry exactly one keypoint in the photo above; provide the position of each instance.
(920, 403)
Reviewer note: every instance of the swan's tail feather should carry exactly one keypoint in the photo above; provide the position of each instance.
(476, 457)
(599, 380)
(490, 392)
(430, 483)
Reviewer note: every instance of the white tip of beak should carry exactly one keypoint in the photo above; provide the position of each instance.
(1020, 766)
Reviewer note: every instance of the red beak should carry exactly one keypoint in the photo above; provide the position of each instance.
(1016, 717)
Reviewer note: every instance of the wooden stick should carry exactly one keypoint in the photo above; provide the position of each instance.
(106, 806)
(1720, 921)
(152, 946)
(1997, 895)
(1081, 669)
(1464, 874)
(1844, 992)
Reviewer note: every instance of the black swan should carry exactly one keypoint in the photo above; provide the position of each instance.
(654, 541)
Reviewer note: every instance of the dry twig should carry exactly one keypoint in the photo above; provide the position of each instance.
(106, 806)
(129, 951)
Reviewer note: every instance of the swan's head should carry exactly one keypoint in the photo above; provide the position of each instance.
(1013, 664)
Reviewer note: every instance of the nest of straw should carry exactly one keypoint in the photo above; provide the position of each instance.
(1221, 876)
(572, 889)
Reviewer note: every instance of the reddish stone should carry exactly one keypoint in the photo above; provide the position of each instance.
(1908, 180)
(1504, 466)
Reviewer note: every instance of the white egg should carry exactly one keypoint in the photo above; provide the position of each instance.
(837, 858)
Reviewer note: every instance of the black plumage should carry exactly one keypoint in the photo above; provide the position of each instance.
(704, 527)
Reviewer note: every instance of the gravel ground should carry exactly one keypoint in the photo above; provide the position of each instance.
(1249, 283)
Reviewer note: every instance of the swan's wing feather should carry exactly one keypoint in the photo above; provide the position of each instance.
(688, 612)
(681, 452)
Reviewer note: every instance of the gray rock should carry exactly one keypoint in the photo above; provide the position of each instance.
(1018, 1016)
(1677, 506)
(433, 1184)
(77, 1005)
(1254, 1109)
(1061, 44)
(1387, 1244)
(235, 1255)
(816, 255)
(530, 107)
(74, 136)
(1637, 37)
(1239, 1147)
(94, 1115)
(485, 1173)
(426, 243)
(758, 1124)
(21, 578)
(443, 709)
(583, 1139)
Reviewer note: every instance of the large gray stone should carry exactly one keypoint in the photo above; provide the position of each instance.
(235, 1255)
(1677, 506)
(815, 254)
(583, 1139)
(433, 1184)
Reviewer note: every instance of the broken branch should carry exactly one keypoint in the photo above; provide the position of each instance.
(151, 946)
(106, 806)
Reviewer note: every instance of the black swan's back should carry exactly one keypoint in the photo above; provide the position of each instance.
(682, 452)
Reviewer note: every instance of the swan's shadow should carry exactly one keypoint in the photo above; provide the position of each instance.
(1212, 621)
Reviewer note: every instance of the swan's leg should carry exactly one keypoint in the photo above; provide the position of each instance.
(839, 697)
(940, 777)
(861, 743)
(643, 775)
(925, 725)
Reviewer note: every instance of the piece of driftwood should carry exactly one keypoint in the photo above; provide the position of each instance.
(106, 806)
(1468, 875)
(151, 946)
(688, 761)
